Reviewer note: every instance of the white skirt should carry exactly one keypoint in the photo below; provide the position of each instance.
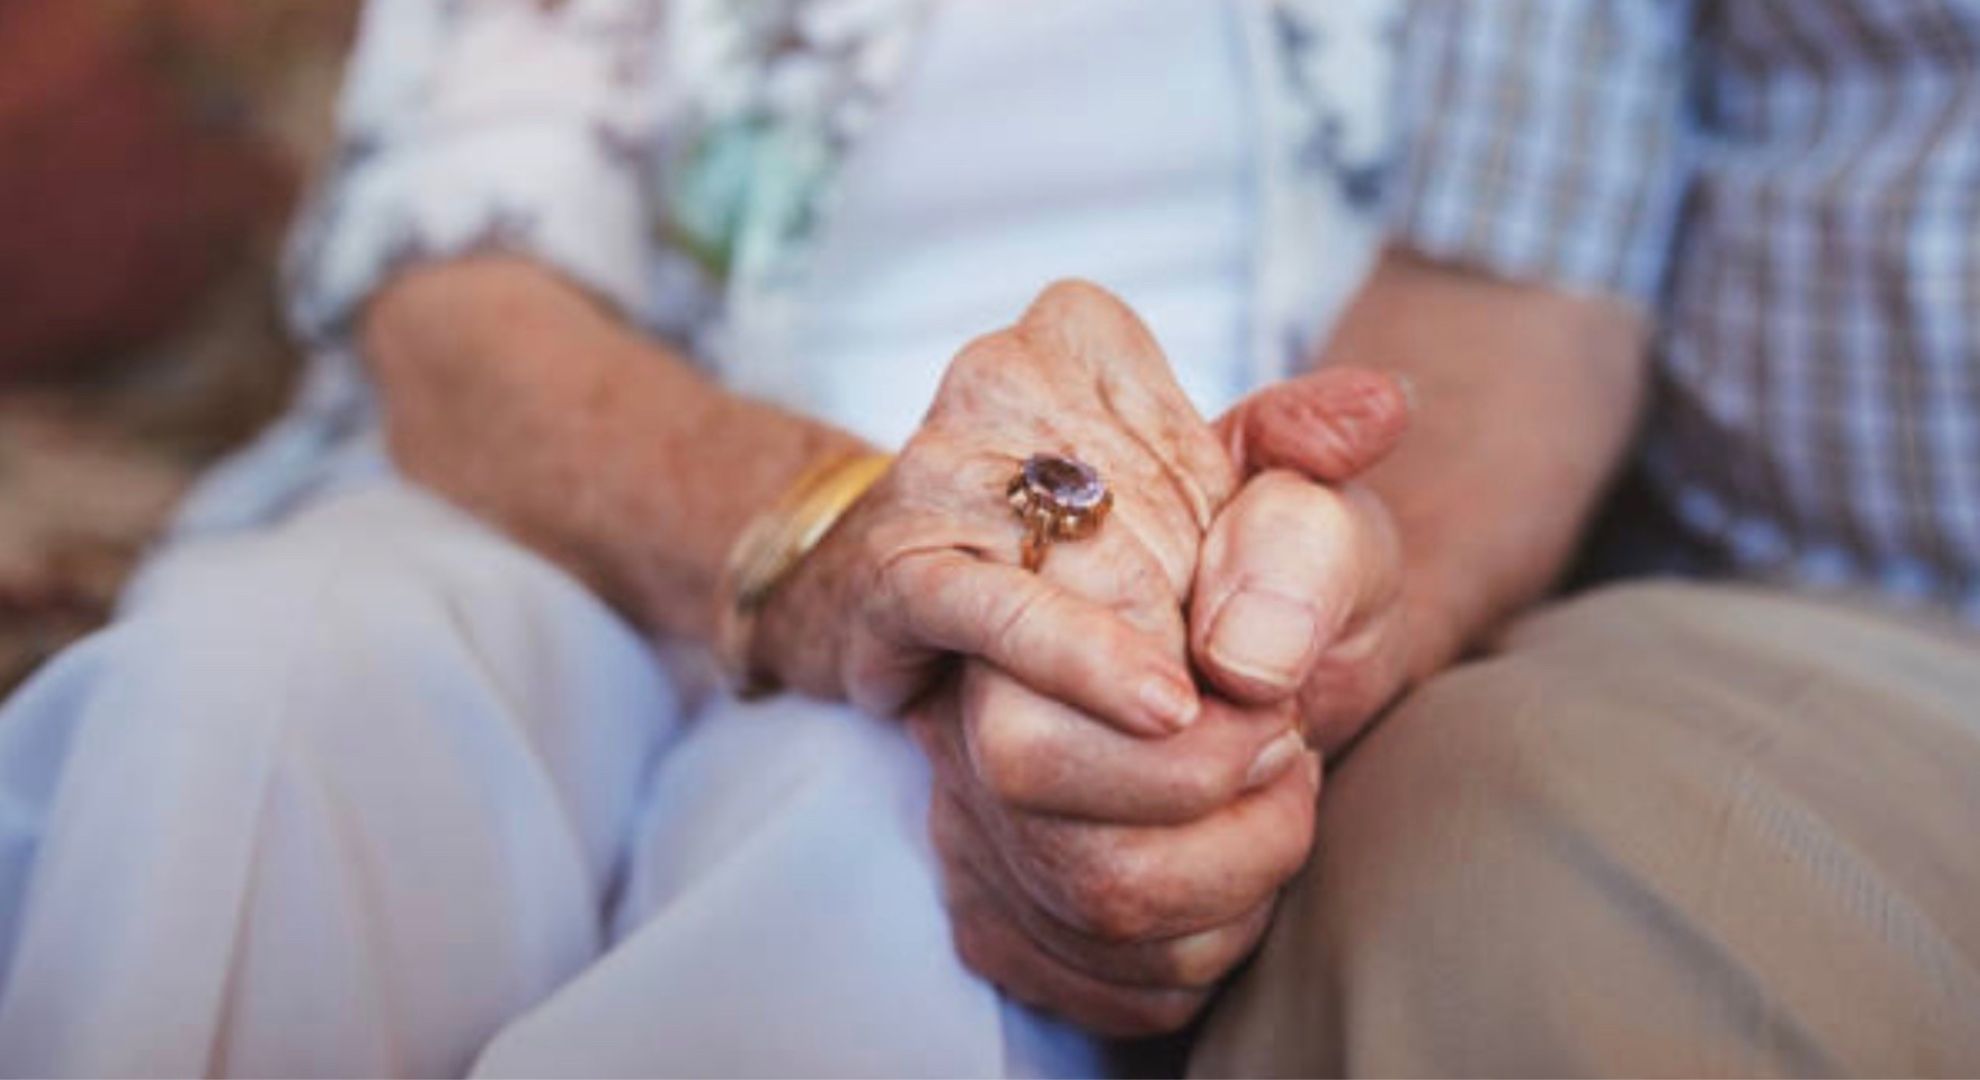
(379, 792)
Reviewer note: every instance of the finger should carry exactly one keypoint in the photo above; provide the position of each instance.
(1059, 643)
(1195, 961)
(1135, 883)
(1328, 425)
(1081, 319)
(1120, 884)
(1038, 755)
(991, 943)
(1288, 567)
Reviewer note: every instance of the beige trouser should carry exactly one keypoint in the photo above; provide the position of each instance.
(1658, 830)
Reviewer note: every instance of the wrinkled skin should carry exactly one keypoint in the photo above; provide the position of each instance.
(1305, 533)
(1102, 859)
(925, 565)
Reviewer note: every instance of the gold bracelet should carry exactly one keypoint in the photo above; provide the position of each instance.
(771, 547)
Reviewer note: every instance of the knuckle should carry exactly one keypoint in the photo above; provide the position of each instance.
(986, 361)
(1289, 502)
(1072, 310)
(978, 353)
(1076, 293)
(979, 375)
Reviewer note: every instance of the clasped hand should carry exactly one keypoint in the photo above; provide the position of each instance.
(1125, 744)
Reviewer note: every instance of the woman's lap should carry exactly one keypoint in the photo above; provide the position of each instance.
(352, 793)
(782, 916)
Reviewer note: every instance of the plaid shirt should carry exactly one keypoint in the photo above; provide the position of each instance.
(1795, 186)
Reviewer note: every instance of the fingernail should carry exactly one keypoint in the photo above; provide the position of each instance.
(1172, 705)
(1273, 761)
(1263, 637)
(1408, 387)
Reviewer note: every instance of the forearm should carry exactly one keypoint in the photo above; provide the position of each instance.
(1526, 402)
(516, 396)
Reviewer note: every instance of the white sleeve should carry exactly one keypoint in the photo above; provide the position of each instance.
(468, 125)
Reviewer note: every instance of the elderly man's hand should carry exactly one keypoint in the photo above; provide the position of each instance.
(1298, 593)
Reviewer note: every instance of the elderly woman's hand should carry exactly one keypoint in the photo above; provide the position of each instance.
(924, 567)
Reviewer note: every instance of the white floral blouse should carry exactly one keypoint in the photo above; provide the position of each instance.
(676, 157)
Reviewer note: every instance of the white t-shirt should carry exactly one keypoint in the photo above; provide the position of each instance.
(1033, 140)
(1028, 140)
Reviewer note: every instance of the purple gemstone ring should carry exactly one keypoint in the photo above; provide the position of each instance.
(1058, 498)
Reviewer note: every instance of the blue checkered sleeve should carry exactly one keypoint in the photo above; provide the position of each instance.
(1545, 140)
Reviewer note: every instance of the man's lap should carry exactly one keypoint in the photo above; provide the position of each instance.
(1657, 829)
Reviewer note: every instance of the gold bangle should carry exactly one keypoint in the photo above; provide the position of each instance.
(771, 547)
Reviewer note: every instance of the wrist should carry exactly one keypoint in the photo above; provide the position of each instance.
(766, 557)
(726, 463)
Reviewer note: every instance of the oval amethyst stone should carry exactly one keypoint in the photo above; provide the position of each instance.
(1067, 482)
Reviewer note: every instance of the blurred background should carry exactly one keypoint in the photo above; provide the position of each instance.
(151, 152)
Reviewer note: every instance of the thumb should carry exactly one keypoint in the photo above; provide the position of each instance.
(1287, 568)
(1328, 425)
